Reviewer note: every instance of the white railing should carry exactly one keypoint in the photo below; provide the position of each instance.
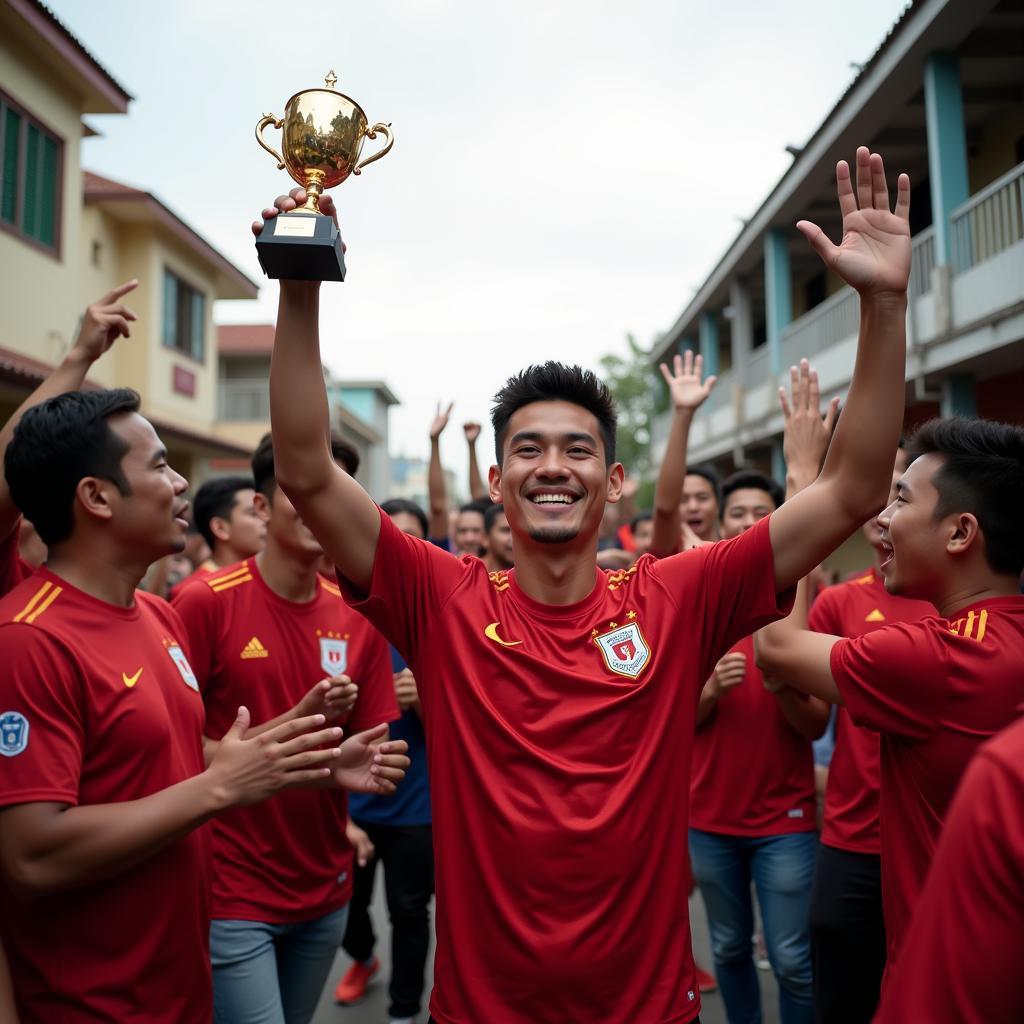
(922, 261)
(989, 222)
(243, 399)
(829, 322)
(757, 368)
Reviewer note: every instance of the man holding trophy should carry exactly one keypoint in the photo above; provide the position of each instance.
(569, 693)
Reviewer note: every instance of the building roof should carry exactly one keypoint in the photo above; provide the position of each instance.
(39, 29)
(124, 202)
(245, 339)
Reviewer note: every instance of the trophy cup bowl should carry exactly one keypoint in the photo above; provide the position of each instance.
(321, 141)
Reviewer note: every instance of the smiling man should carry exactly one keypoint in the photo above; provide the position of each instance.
(572, 692)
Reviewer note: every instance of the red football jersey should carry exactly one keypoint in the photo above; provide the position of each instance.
(203, 572)
(285, 859)
(559, 742)
(961, 958)
(13, 568)
(854, 608)
(99, 705)
(935, 690)
(753, 773)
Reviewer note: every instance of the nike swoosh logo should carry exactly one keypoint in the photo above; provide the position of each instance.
(130, 681)
(491, 632)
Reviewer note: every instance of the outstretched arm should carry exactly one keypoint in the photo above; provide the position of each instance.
(437, 493)
(688, 393)
(340, 513)
(874, 258)
(104, 322)
(477, 487)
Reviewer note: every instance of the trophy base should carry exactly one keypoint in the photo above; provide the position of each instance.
(301, 247)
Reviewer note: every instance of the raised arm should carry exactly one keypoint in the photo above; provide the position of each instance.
(477, 487)
(688, 392)
(437, 492)
(874, 258)
(340, 513)
(104, 322)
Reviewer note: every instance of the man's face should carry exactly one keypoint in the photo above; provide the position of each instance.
(285, 527)
(149, 519)
(408, 523)
(499, 541)
(469, 533)
(913, 543)
(699, 506)
(744, 508)
(243, 530)
(871, 530)
(643, 534)
(553, 481)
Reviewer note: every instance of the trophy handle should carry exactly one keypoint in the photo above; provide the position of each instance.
(385, 129)
(270, 119)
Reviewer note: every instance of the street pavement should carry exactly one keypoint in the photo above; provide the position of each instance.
(374, 1008)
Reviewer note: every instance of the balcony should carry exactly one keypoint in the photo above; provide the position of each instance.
(241, 400)
(990, 222)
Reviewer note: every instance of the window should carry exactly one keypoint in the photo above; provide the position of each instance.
(30, 174)
(184, 317)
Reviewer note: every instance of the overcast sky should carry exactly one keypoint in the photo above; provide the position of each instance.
(563, 173)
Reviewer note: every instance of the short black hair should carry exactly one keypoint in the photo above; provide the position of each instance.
(555, 382)
(215, 500)
(982, 473)
(480, 505)
(55, 445)
(750, 478)
(708, 473)
(642, 517)
(491, 516)
(395, 506)
(263, 476)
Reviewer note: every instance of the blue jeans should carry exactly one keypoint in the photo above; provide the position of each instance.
(782, 869)
(272, 973)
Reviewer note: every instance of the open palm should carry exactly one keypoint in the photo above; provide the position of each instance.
(874, 255)
(369, 762)
(684, 382)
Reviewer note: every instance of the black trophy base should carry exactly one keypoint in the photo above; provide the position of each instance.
(301, 247)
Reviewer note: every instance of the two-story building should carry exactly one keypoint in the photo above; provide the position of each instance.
(942, 98)
(68, 236)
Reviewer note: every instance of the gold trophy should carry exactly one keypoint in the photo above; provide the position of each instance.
(322, 136)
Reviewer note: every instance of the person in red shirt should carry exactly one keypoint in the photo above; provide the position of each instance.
(934, 689)
(263, 633)
(105, 784)
(572, 692)
(749, 825)
(847, 926)
(961, 956)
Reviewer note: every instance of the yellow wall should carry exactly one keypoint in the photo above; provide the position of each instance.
(244, 432)
(38, 292)
(996, 154)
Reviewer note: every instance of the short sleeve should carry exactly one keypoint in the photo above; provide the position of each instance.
(412, 580)
(729, 587)
(894, 679)
(13, 568)
(199, 609)
(376, 702)
(40, 711)
(825, 614)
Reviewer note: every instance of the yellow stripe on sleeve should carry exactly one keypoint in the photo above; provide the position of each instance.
(32, 603)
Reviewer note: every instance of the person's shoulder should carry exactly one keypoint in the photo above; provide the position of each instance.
(231, 580)
(1006, 748)
(35, 601)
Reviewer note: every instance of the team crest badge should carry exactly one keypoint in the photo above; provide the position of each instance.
(624, 649)
(13, 733)
(333, 655)
(179, 659)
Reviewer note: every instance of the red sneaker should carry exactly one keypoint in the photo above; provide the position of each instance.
(352, 986)
(705, 979)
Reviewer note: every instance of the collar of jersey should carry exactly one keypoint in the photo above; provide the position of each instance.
(132, 612)
(537, 609)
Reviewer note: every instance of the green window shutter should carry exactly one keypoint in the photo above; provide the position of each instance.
(9, 171)
(48, 199)
(170, 309)
(198, 325)
(30, 204)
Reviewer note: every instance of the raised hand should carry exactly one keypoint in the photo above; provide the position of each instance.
(295, 199)
(331, 697)
(806, 433)
(472, 431)
(684, 382)
(106, 320)
(370, 763)
(440, 420)
(874, 255)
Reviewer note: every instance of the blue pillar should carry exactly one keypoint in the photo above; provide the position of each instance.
(709, 343)
(778, 293)
(947, 146)
(778, 462)
(958, 398)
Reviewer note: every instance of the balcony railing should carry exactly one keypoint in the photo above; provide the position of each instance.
(922, 261)
(832, 320)
(989, 222)
(243, 399)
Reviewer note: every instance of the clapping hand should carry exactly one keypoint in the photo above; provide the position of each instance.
(371, 763)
